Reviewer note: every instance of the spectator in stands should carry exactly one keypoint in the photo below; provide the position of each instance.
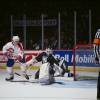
(30, 45)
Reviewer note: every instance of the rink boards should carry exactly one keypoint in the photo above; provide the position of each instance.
(81, 69)
(84, 61)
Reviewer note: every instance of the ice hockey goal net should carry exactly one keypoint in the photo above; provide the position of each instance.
(84, 63)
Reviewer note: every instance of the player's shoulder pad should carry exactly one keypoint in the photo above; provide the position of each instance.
(8, 44)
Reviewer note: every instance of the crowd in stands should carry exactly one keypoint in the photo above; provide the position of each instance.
(67, 36)
(66, 42)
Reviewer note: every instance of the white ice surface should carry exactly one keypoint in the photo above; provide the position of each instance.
(64, 89)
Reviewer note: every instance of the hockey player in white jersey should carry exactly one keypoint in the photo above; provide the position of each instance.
(14, 52)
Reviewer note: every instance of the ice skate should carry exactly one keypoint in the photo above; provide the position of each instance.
(10, 78)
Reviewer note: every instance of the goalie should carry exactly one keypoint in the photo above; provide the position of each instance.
(46, 72)
(50, 67)
(13, 51)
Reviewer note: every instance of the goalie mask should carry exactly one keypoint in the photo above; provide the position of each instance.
(49, 51)
(15, 40)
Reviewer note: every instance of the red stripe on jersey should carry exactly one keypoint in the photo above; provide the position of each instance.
(20, 46)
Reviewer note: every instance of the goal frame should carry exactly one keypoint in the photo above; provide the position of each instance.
(74, 57)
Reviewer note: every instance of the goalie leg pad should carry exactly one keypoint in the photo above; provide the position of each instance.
(44, 70)
(46, 81)
(45, 77)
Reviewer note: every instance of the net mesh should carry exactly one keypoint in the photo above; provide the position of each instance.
(84, 63)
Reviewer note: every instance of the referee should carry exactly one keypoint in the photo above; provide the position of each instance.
(97, 57)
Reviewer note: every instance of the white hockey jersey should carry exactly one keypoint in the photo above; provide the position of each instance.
(17, 49)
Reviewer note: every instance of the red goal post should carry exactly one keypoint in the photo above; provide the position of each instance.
(84, 66)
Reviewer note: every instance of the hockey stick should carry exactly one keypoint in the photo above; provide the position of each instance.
(27, 67)
(18, 74)
(22, 75)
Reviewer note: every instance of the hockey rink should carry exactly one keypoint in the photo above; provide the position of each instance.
(63, 89)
